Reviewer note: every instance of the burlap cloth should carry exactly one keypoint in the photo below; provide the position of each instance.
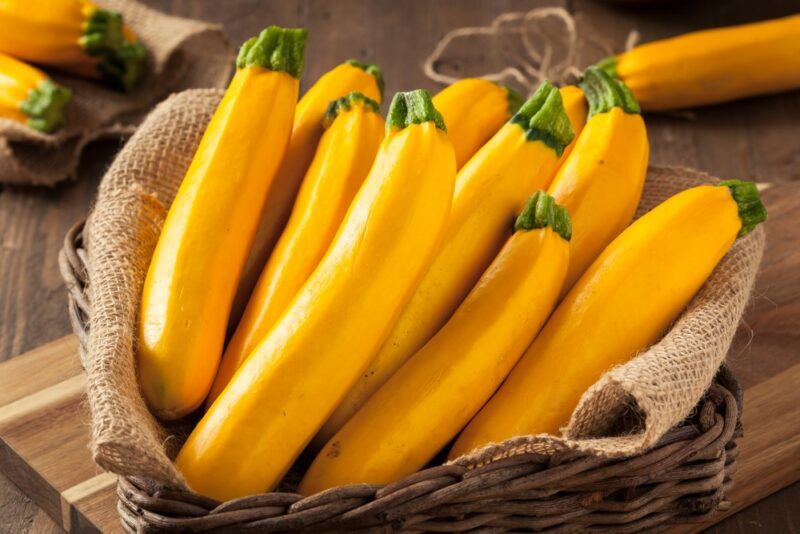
(659, 387)
(182, 54)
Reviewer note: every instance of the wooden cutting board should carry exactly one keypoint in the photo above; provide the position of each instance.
(44, 439)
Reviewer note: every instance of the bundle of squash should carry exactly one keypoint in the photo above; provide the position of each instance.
(463, 269)
(73, 36)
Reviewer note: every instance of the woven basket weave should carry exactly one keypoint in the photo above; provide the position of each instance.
(683, 479)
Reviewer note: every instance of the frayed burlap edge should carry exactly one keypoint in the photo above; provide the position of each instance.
(182, 54)
(120, 235)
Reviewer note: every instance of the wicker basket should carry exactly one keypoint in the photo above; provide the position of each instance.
(683, 479)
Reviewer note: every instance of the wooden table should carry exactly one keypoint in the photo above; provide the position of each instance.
(758, 139)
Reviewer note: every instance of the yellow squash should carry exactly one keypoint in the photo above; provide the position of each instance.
(577, 110)
(343, 159)
(601, 182)
(28, 96)
(623, 304)
(712, 66)
(74, 36)
(474, 109)
(436, 392)
(204, 242)
(294, 378)
(490, 191)
(350, 76)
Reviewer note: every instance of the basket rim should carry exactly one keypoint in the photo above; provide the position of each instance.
(687, 480)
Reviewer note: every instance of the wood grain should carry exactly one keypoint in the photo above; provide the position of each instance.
(45, 437)
(754, 139)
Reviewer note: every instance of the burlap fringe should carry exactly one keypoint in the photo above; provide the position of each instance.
(182, 54)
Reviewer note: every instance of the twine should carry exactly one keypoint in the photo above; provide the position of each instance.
(535, 56)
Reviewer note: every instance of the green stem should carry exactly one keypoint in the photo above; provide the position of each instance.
(751, 211)
(346, 103)
(544, 118)
(413, 107)
(542, 210)
(45, 106)
(372, 69)
(515, 99)
(121, 62)
(603, 92)
(275, 48)
(609, 65)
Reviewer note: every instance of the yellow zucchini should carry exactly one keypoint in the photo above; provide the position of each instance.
(601, 182)
(490, 191)
(577, 110)
(621, 305)
(294, 378)
(438, 390)
(474, 109)
(350, 76)
(28, 96)
(343, 159)
(205, 238)
(74, 36)
(712, 66)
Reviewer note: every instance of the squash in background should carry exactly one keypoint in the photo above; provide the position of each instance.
(28, 96)
(712, 66)
(474, 109)
(72, 35)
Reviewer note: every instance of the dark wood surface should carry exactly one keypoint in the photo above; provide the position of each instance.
(755, 139)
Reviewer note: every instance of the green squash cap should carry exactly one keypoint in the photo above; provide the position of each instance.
(604, 92)
(514, 98)
(751, 210)
(275, 48)
(45, 106)
(372, 69)
(544, 118)
(413, 107)
(541, 210)
(346, 103)
(121, 62)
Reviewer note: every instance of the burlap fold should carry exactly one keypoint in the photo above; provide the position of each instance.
(659, 387)
(182, 54)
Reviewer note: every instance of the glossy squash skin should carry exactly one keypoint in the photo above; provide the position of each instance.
(577, 110)
(436, 392)
(74, 36)
(343, 159)
(490, 191)
(620, 306)
(289, 385)
(474, 109)
(28, 96)
(205, 238)
(713, 66)
(601, 182)
(307, 130)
